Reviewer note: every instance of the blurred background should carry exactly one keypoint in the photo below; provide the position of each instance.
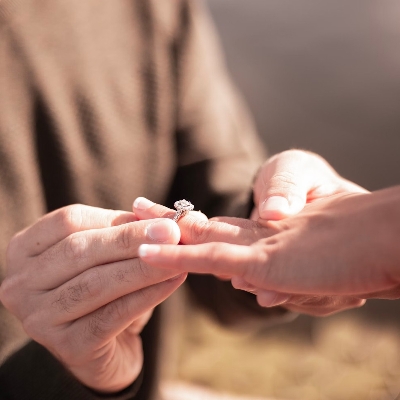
(322, 76)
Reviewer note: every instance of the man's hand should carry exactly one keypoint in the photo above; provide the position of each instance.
(320, 261)
(76, 284)
(293, 178)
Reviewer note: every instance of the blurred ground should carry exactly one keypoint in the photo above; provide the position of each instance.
(323, 76)
(343, 357)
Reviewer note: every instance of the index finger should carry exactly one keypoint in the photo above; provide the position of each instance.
(209, 258)
(59, 224)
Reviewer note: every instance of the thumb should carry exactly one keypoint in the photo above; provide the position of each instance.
(283, 195)
(283, 184)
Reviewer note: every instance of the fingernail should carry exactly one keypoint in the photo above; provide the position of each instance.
(162, 231)
(274, 206)
(141, 203)
(270, 299)
(148, 250)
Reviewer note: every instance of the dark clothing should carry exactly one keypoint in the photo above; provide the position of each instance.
(101, 102)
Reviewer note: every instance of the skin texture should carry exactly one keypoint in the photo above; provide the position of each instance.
(291, 179)
(342, 248)
(75, 282)
(295, 180)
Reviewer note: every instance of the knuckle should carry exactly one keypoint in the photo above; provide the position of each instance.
(261, 264)
(62, 302)
(282, 181)
(92, 283)
(127, 272)
(95, 328)
(124, 238)
(75, 247)
(116, 310)
(216, 252)
(142, 269)
(71, 217)
(89, 286)
(102, 322)
(287, 184)
(11, 291)
(199, 231)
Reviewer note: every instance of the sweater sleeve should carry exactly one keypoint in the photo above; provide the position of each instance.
(49, 380)
(219, 154)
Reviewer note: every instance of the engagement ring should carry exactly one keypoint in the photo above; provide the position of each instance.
(182, 208)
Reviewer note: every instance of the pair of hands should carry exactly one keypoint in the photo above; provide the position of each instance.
(75, 281)
(340, 249)
(251, 253)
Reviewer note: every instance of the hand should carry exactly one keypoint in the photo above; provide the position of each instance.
(293, 178)
(309, 263)
(76, 284)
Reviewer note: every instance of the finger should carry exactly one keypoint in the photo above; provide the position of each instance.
(321, 306)
(196, 228)
(107, 322)
(311, 305)
(211, 258)
(65, 221)
(265, 298)
(99, 286)
(83, 250)
(283, 185)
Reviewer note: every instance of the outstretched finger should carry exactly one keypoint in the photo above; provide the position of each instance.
(210, 258)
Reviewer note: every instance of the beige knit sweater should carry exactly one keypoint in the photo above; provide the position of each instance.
(100, 102)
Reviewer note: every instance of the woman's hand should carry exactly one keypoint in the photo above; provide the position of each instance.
(283, 186)
(329, 257)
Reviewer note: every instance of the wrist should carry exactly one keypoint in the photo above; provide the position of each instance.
(107, 382)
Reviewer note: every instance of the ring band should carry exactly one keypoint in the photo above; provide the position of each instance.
(182, 208)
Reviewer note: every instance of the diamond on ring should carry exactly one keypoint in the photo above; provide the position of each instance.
(182, 208)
